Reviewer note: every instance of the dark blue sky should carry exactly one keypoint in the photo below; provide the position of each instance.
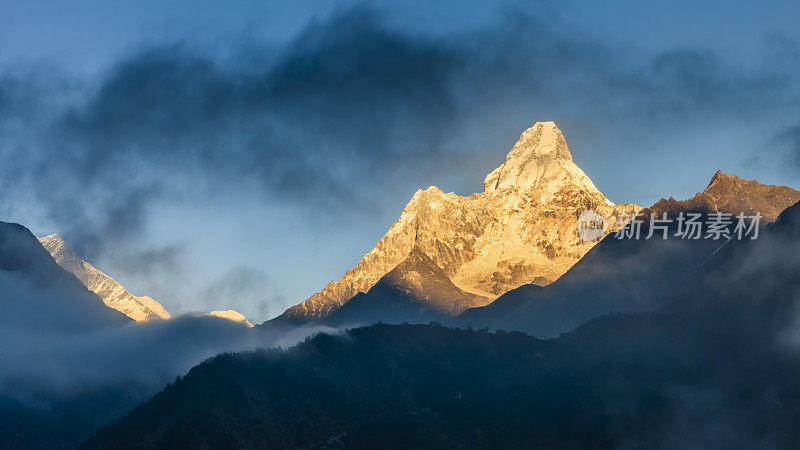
(243, 154)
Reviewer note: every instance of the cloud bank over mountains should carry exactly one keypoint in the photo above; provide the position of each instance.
(349, 111)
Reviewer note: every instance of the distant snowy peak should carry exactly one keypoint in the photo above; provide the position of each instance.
(113, 294)
(232, 315)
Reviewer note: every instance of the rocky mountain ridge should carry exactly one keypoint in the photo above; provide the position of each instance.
(730, 194)
(113, 294)
(634, 275)
(691, 373)
(523, 227)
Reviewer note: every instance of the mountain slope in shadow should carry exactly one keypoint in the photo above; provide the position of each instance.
(416, 291)
(36, 293)
(708, 370)
(113, 294)
(631, 275)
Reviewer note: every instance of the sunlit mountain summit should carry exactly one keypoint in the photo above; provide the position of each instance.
(522, 227)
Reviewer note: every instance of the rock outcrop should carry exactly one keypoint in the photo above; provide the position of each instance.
(731, 194)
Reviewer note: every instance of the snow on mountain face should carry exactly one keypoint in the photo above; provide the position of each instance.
(113, 294)
(540, 161)
(232, 315)
(522, 228)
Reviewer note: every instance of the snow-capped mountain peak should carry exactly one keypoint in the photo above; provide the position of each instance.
(541, 162)
(113, 294)
(523, 228)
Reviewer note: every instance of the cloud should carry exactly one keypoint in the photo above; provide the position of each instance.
(154, 260)
(42, 359)
(349, 109)
(57, 338)
(344, 99)
(59, 386)
(249, 290)
(346, 92)
(789, 141)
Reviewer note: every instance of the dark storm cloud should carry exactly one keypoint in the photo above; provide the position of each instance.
(346, 95)
(347, 109)
(342, 101)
